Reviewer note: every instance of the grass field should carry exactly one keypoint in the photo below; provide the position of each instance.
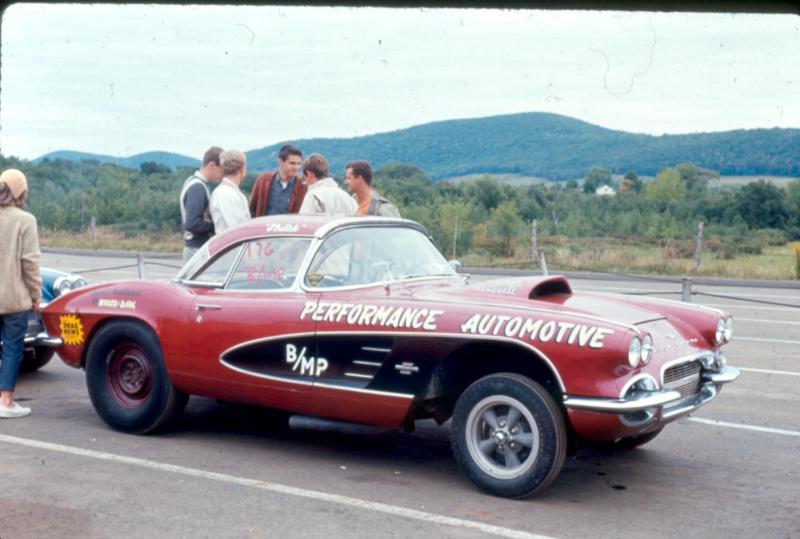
(616, 256)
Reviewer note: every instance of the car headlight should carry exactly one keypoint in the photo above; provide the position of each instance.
(720, 333)
(635, 352)
(647, 349)
(729, 329)
(62, 285)
(66, 283)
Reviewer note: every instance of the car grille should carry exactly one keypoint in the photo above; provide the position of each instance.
(684, 378)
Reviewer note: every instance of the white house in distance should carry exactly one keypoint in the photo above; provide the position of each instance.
(605, 191)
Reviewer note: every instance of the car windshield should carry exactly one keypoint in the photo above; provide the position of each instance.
(193, 264)
(371, 254)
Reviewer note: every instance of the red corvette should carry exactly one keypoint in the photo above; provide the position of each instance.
(363, 320)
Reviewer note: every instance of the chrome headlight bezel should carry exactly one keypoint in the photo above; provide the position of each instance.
(647, 349)
(728, 333)
(719, 333)
(634, 352)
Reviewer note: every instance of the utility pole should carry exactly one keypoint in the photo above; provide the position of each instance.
(698, 245)
(455, 237)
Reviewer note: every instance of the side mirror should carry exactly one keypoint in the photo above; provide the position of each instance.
(455, 264)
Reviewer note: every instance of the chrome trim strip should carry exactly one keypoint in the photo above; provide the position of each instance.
(406, 369)
(599, 404)
(265, 376)
(362, 376)
(366, 391)
(706, 394)
(368, 363)
(635, 379)
(375, 349)
(725, 376)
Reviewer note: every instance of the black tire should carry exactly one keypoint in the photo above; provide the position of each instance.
(36, 358)
(127, 380)
(635, 441)
(515, 458)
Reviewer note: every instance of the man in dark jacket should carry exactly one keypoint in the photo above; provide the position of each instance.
(195, 219)
(270, 197)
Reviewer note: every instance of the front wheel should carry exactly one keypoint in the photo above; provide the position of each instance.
(127, 380)
(508, 435)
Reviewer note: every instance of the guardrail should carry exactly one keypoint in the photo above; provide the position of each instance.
(684, 288)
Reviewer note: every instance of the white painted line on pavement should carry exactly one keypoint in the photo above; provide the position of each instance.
(765, 339)
(756, 428)
(769, 371)
(356, 503)
(761, 321)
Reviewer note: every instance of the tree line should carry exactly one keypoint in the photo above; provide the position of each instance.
(483, 217)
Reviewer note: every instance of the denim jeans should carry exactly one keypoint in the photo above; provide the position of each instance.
(12, 330)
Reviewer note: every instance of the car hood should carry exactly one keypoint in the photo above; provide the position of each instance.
(540, 292)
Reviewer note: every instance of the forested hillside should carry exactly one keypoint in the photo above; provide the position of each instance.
(532, 144)
(166, 159)
(483, 219)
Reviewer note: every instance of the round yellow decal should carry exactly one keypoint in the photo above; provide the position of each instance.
(71, 329)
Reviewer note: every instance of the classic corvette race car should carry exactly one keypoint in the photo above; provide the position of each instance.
(39, 346)
(363, 320)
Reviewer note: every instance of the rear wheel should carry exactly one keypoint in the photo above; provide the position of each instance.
(508, 435)
(36, 358)
(127, 380)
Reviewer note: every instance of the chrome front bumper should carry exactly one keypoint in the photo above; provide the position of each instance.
(671, 403)
(43, 339)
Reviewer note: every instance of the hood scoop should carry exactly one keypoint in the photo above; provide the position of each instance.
(552, 286)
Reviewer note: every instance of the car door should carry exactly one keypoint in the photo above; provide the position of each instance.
(363, 380)
(248, 340)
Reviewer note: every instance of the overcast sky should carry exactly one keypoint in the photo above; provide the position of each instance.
(122, 80)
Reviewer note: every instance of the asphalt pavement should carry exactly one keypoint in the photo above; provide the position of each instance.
(224, 470)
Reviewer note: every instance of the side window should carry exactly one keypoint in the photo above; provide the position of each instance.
(217, 271)
(269, 263)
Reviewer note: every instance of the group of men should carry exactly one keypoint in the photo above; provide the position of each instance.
(204, 213)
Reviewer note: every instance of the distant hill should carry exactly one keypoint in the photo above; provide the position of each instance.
(169, 159)
(547, 146)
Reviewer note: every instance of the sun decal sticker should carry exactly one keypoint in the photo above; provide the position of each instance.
(71, 329)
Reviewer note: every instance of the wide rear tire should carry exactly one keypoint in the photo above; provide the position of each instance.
(508, 435)
(127, 380)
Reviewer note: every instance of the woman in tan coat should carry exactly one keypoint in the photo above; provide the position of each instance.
(20, 283)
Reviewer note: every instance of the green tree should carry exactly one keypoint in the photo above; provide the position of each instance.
(595, 177)
(667, 188)
(696, 177)
(763, 205)
(631, 183)
(505, 224)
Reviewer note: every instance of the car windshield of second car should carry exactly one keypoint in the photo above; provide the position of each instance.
(364, 255)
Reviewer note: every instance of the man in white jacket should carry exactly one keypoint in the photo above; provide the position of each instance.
(228, 204)
(324, 195)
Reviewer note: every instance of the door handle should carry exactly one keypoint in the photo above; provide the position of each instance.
(207, 307)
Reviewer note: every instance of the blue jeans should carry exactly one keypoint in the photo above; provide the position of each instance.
(12, 330)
